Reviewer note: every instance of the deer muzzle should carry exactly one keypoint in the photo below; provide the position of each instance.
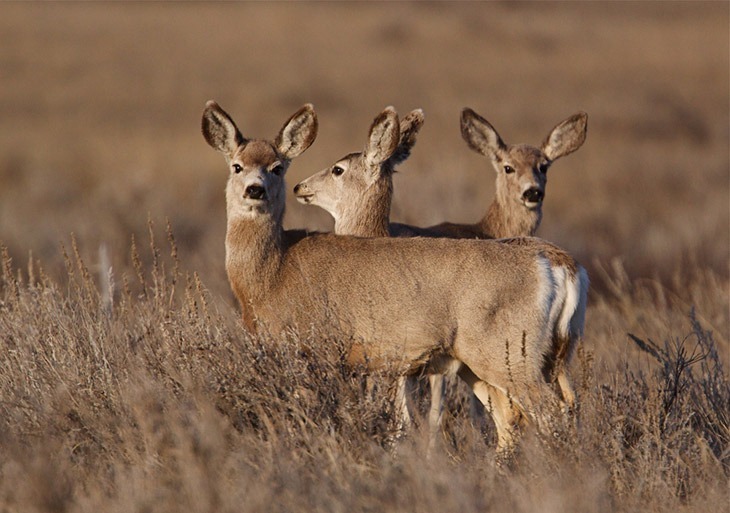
(533, 196)
(301, 191)
(256, 192)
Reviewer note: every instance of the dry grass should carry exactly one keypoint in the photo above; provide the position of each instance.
(137, 390)
(152, 398)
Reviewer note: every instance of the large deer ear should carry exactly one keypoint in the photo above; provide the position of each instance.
(566, 137)
(383, 137)
(480, 135)
(220, 131)
(409, 127)
(298, 133)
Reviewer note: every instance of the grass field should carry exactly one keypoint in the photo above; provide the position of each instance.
(136, 389)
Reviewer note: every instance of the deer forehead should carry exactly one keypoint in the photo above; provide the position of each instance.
(349, 164)
(523, 156)
(256, 155)
(349, 159)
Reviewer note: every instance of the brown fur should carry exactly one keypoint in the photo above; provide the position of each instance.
(508, 215)
(403, 302)
(359, 199)
(361, 214)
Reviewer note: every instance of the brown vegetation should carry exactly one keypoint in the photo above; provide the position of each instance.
(137, 389)
(156, 400)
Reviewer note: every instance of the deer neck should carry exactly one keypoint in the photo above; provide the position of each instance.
(254, 254)
(369, 215)
(507, 217)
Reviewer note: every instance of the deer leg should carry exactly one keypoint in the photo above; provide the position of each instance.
(476, 412)
(401, 404)
(504, 411)
(435, 413)
(566, 389)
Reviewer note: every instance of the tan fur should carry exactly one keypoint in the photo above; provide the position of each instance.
(359, 199)
(509, 214)
(409, 303)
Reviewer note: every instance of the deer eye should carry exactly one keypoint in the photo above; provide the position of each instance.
(509, 169)
(337, 170)
(278, 169)
(237, 168)
(543, 168)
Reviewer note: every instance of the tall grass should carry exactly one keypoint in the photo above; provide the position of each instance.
(150, 396)
(127, 382)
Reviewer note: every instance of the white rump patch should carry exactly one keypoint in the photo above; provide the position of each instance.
(547, 297)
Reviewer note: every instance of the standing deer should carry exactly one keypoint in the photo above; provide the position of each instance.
(360, 202)
(357, 191)
(480, 308)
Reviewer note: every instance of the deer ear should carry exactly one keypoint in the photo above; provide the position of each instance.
(566, 137)
(298, 133)
(409, 127)
(480, 135)
(383, 137)
(220, 131)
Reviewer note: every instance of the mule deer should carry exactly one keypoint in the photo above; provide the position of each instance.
(516, 210)
(481, 308)
(358, 199)
(357, 190)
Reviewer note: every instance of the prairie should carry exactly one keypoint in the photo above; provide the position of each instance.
(127, 382)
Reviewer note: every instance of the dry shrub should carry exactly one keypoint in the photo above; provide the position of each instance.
(167, 386)
(147, 395)
(138, 390)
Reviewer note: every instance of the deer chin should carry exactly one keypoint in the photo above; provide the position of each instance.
(305, 199)
(249, 209)
(260, 207)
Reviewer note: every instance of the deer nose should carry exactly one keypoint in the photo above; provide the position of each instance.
(533, 195)
(255, 192)
(297, 188)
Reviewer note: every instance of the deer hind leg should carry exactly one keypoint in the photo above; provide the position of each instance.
(507, 417)
(437, 369)
(562, 347)
(566, 388)
(435, 413)
(402, 413)
(476, 412)
(506, 414)
(575, 327)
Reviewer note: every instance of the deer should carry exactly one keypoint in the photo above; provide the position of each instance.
(481, 309)
(516, 210)
(361, 214)
(357, 191)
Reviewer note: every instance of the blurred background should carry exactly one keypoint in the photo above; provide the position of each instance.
(100, 108)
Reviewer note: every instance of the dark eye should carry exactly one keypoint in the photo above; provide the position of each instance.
(237, 168)
(278, 170)
(337, 170)
(509, 169)
(543, 168)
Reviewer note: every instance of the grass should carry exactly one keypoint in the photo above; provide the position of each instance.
(153, 398)
(127, 382)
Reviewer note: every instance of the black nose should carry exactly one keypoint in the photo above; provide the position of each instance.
(255, 192)
(533, 195)
(297, 187)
